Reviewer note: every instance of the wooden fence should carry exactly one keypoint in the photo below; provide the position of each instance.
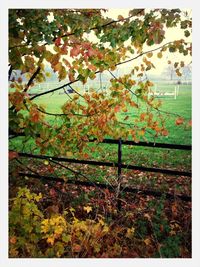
(119, 165)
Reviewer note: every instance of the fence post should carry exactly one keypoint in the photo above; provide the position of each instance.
(119, 167)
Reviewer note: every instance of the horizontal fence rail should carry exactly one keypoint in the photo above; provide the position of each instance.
(144, 144)
(118, 165)
(108, 164)
(107, 186)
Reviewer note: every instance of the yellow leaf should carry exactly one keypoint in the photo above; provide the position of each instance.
(69, 154)
(172, 232)
(50, 240)
(150, 54)
(120, 17)
(159, 55)
(147, 241)
(87, 209)
(130, 232)
(48, 74)
(46, 162)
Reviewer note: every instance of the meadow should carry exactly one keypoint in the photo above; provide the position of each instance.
(141, 156)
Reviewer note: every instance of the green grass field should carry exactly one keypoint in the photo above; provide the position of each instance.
(135, 155)
(181, 106)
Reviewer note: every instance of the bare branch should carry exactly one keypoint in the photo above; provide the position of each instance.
(10, 72)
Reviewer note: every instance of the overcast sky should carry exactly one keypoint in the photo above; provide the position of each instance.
(171, 35)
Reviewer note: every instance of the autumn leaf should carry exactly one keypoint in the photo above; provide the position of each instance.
(178, 73)
(179, 121)
(13, 240)
(52, 192)
(117, 108)
(150, 54)
(69, 154)
(159, 55)
(147, 241)
(76, 248)
(86, 156)
(87, 209)
(34, 115)
(91, 52)
(120, 17)
(58, 41)
(165, 133)
(133, 104)
(75, 51)
(13, 155)
(182, 64)
(142, 116)
(71, 77)
(130, 232)
(51, 240)
(46, 162)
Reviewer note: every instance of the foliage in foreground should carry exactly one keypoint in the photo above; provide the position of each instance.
(34, 232)
(64, 43)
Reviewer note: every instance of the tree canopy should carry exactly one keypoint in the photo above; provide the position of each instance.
(78, 44)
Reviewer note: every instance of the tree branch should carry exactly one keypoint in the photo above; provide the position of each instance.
(93, 28)
(32, 78)
(120, 63)
(63, 114)
(122, 83)
(10, 72)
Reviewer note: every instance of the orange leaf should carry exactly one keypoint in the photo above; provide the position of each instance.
(133, 104)
(13, 155)
(71, 77)
(147, 241)
(86, 156)
(165, 132)
(117, 109)
(142, 116)
(91, 52)
(75, 51)
(179, 121)
(76, 248)
(13, 240)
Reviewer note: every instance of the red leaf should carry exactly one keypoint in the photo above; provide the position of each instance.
(76, 248)
(165, 133)
(179, 121)
(117, 108)
(86, 156)
(75, 51)
(58, 41)
(52, 192)
(13, 155)
(91, 52)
